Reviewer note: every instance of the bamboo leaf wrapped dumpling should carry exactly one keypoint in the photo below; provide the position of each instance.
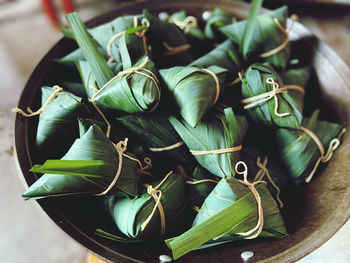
(94, 145)
(194, 90)
(216, 141)
(235, 209)
(58, 123)
(158, 135)
(159, 210)
(268, 101)
(133, 90)
(229, 191)
(267, 36)
(303, 150)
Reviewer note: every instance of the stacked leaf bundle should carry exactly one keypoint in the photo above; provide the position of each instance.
(195, 148)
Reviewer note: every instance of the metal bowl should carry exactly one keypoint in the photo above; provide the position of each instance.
(314, 213)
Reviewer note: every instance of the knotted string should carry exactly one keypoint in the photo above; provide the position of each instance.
(325, 155)
(135, 70)
(217, 84)
(260, 175)
(260, 224)
(202, 181)
(157, 195)
(53, 96)
(262, 98)
(174, 50)
(186, 25)
(142, 34)
(167, 148)
(218, 151)
(121, 148)
(276, 50)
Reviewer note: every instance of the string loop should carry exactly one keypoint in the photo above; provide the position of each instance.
(157, 195)
(262, 98)
(260, 224)
(325, 155)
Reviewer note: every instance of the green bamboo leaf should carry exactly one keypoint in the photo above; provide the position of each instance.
(97, 62)
(261, 35)
(195, 85)
(94, 145)
(211, 134)
(224, 56)
(250, 26)
(70, 167)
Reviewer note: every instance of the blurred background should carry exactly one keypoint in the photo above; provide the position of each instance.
(28, 29)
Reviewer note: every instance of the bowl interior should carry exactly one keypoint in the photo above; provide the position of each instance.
(314, 212)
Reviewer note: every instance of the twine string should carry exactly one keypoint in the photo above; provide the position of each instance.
(218, 151)
(30, 113)
(325, 155)
(262, 98)
(157, 195)
(265, 172)
(186, 25)
(260, 224)
(282, 46)
(174, 50)
(121, 147)
(202, 181)
(167, 148)
(216, 82)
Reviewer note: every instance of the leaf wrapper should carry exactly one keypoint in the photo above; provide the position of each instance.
(222, 132)
(265, 37)
(130, 213)
(225, 218)
(193, 89)
(299, 152)
(94, 145)
(131, 93)
(58, 126)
